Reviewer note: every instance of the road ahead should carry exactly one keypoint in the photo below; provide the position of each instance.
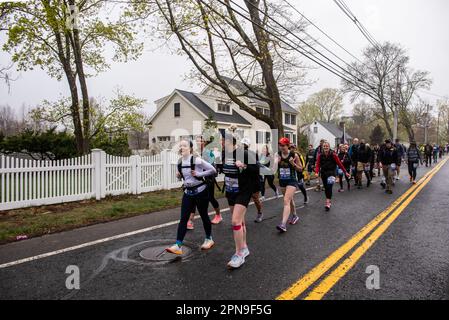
(405, 237)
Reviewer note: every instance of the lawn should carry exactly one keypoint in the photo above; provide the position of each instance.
(36, 221)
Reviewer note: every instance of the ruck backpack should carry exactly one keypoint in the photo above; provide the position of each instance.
(192, 167)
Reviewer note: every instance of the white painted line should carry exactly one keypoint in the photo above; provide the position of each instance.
(119, 236)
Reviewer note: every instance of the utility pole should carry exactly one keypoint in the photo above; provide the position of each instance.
(426, 123)
(396, 97)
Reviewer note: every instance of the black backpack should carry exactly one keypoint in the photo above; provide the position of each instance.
(192, 167)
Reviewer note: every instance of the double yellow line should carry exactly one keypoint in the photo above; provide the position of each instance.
(385, 219)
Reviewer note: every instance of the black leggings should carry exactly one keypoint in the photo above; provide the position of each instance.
(347, 181)
(212, 200)
(327, 187)
(270, 180)
(201, 202)
(412, 170)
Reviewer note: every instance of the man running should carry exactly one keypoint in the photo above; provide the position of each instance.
(310, 163)
(428, 150)
(363, 164)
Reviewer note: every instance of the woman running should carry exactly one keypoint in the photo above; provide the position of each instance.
(413, 160)
(265, 159)
(345, 159)
(193, 170)
(287, 164)
(326, 164)
(208, 155)
(241, 182)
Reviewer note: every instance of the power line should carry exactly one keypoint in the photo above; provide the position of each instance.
(323, 32)
(344, 7)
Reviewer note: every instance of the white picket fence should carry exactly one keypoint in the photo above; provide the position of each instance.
(25, 183)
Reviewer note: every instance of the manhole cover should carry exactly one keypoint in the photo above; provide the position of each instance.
(158, 253)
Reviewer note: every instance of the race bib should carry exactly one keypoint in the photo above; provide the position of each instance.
(284, 173)
(393, 166)
(331, 180)
(232, 184)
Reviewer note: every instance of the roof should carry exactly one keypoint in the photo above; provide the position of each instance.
(205, 109)
(242, 88)
(334, 129)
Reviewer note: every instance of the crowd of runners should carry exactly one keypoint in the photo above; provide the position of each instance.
(246, 173)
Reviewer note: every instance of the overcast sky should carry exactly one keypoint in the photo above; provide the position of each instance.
(421, 26)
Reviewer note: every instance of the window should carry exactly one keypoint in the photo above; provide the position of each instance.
(315, 129)
(263, 111)
(222, 132)
(177, 108)
(224, 107)
(267, 137)
(294, 139)
(259, 137)
(164, 138)
(287, 118)
(289, 136)
(263, 137)
(293, 119)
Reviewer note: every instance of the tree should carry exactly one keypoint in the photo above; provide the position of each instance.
(326, 104)
(385, 78)
(377, 135)
(224, 47)
(68, 38)
(50, 144)
(10, 124)
(121, 114)
(308, 113)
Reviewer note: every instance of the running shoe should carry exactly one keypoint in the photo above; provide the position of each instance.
(217, 219)
(341, 190)
(236, 261)
(190, 225)
(262, 199)
(306, 200)
(294, 220)
(175, 249)
(259, 218)
(207, 244)
(327, 206)
(278, 194)
(414, 182)
(282, 228)
(244, 252)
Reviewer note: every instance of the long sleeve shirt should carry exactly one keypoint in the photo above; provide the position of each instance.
(202, 169)
(328, 164)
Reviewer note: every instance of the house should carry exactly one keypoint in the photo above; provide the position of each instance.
(330, 132)
(182, 114)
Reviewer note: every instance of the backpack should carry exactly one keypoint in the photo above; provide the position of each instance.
(192, 167)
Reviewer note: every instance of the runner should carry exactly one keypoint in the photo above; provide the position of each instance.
(310, 163)
(428, 150)
(287, 163)
(241, 181)
(413, 160)
(193, 170)
(265, 160)
(318, 151)
(345, 159)
(363, 164)
(389, 159)
(256, 194)
(376, 166)
(401, 149)
(327, 163)
(300, 174)
(208, 155)
(353, 153)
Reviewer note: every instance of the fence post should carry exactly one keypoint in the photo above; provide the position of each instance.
(96, 177)
(165, 170)
(135, 174)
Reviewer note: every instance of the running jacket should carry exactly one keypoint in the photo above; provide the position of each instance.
(364, 154)
(327, 164)
(389, 156)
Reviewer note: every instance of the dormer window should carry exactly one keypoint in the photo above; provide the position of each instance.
(224, 107)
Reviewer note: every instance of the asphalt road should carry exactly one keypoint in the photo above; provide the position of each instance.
(412, 254)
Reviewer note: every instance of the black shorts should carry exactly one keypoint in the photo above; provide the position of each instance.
(241, 198)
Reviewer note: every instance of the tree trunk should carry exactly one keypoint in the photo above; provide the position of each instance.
(266, 63)
(83, 86)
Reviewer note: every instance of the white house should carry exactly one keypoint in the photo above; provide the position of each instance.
(330, 132)
(183, 113)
